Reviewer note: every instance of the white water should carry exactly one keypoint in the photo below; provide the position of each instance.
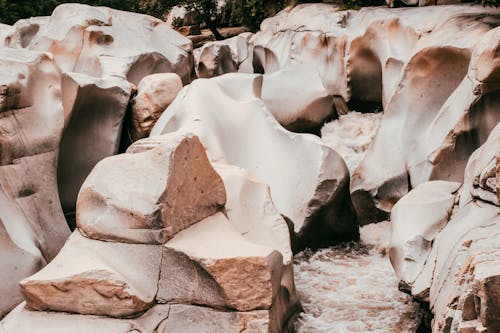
(352, 287)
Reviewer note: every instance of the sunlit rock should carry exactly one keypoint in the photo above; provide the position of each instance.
(100, 41)
(21, 320)
(150, 193)
(416, 220)
(297, 99)
(221, 57)
(308, 180)
(154, 94)
(97, 278)
(460, 277)
(5, 31)
(25, 30)
(32, 226)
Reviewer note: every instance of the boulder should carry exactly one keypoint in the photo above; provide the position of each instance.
(297, 99)
(416, 220)
(154, 94)
(460, 275)
(96, 278)
(32, 225)
(100, 42)
(24, 30)
(5, 31)
(231, 271)
(308, 180)
(150, 193)
(95, 111)
(22, 320)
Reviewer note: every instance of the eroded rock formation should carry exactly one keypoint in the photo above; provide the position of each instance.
(308, 180)
(451, 258)
(32, 225)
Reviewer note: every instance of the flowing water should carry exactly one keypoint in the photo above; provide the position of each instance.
(352, 287)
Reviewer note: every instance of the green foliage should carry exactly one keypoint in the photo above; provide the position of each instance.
(492, 3)
(177, 22)
(347, 4)
(249, 13)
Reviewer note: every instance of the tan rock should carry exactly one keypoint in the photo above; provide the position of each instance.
(239, 274)
(307, 179)
(96, 278)
(32, 225)
(416, 220)
(149, 195)
(101, 42)
(21, 320)
(154, 94)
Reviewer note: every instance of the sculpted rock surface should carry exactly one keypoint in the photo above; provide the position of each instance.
(460, 277)
(154, 94)
(32, 226)
(97, 278)
(93, 128)
(416, 220)
(149, 194)
(441, 89)
(297, 99)
(100, 41)
(308, 181)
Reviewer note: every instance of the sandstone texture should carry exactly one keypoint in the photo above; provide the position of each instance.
(452, 259)
(149, 195)
(154, 94)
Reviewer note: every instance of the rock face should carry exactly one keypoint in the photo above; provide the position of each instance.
(308, 180)
(159, 248)
(441, 89)
(103, 54)
(149, 194)
(154, 94)
(458, 272)
(32, 226)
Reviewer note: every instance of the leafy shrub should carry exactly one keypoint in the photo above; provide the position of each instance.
(177, 22)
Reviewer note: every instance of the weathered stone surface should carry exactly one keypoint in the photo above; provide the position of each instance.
(308, 180)
(21, 320)
(100, 42)
(97, 278)
(32, 225)
(5, 31)
(95, 111)
(460, 277)
(23, 31)
(297, 99)
(149, 194)
(416, 220)
(441, 89)
(154, 94)
(221, 57)
(231, 271)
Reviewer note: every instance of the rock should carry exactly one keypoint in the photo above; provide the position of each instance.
(25, 30)
(101, 42)
(175, 318)
(96, 278)
(416, 220)
(226, 56)
(308, 180)
(297, 99)
(95, 111)
(5, 31)
(154, 94)
(376, 58)
(231, 271)
(251, 210)
(149, 194)
(21, 320)
(32, 225)
(460, 276)
(189, 30)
